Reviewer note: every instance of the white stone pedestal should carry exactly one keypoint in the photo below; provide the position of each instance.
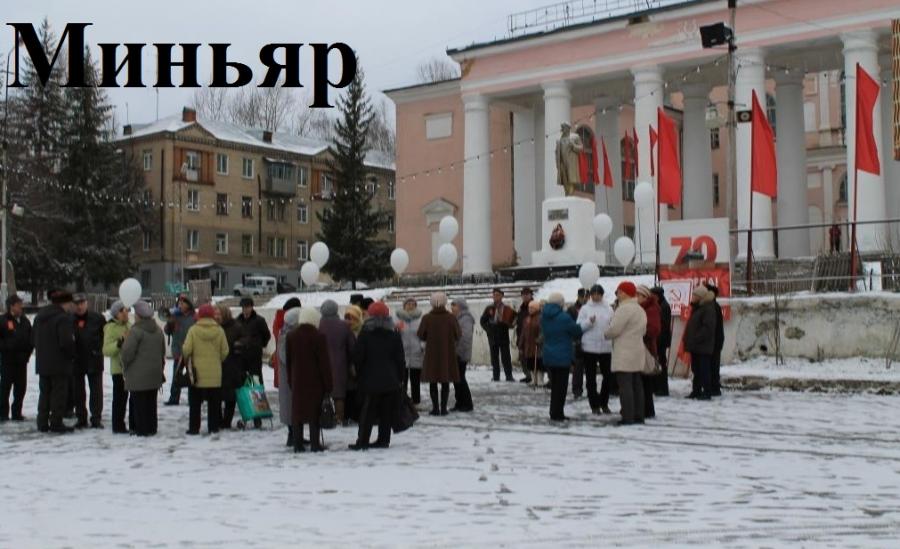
(576, 217)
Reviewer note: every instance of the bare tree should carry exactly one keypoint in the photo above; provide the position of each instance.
(313, 123)
(277, 105)
(381, 134)
(436, 69)
(212, 103)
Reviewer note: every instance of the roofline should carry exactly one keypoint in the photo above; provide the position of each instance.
(428, 90)
(467, 51)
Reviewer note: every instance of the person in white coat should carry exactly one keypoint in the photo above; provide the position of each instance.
(626, 331)
(594, 318)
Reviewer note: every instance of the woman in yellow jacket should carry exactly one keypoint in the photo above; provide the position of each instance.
(207, 347)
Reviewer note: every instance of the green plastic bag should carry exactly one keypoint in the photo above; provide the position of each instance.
(252, 401)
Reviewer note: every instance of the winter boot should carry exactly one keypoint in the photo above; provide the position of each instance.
(290, 437)
(445, 396)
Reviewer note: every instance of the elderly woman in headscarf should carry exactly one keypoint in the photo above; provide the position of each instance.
(353, 315)
(309, 376)
(460, 309)
(340, 349)
(290, 321)
(409, 319)
(440, 331)
(277, 326)
(530, 343)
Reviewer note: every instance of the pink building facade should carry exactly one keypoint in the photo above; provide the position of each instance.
(477, 147)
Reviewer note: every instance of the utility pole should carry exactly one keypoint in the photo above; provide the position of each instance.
(731, 162)
(4, 287)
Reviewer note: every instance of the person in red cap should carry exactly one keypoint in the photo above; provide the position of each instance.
(626, 331)
(206, 347)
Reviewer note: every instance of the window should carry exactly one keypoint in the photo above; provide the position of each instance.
(281, 170)
(629, 231)
(302, 250)
(247, 245)
(303, 176)
(193, 240)
(770, 111)
(714, 138)
(302, 213)
(391, 190)
(193, 200)
(439, 125)
(221, 204)
(270, 211)
(370, 187)
(222, 164)
(221, 280)
(842, 190)
(275, 210)
(715, 189)
(629, 167)
(145, 278)
(809, 117)
(247, 207)
(587, 136)
(280, 210)
(221, 243)
(628, 190)
(327, 186)
(275, 247)
(148, 160)
(147, 240)
(390, 226)
(843, 102)
(192, 160)
(247, 168)
(147, 197)
(270, 246)
(280, 247)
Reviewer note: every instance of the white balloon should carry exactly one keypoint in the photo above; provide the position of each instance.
(624, 250)
(588, 274)
(603, 225)
(130, 291)
(399, 260)
(447, 256)
(318, 254)
(448, 228)
(309, 272)
(643, 195)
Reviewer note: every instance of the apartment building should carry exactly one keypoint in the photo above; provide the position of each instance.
(232, 201)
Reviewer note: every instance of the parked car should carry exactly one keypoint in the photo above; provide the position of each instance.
(256, 285)
(286, 288)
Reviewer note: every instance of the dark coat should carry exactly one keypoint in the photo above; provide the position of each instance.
(665, 317)
(144, 356)
(54, 342)
(654, 324)
(309, 372)
(521, 317)
(89, 343)
(340, 351)
(440, 331)
(378, 356)
(16, 342)
(255, 337)
(720, 329)
(234, 369)
(700, 332)
(498, 332)
(177, 328)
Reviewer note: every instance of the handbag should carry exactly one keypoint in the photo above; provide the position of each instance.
(651, 366)
(405, 414)
(183, 375)
(326, 416)
(252, 401)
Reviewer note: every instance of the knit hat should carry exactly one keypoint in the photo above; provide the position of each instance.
(438, 299)
(700, 292)
(643, 290)
(206, 311)
(291, 303)
(292, 317)
(309, 315)
(378, 309)
(117, 307)
(329, 308)
(627, 288)
(143, 309)
(557, 298)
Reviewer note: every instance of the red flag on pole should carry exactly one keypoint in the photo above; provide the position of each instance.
(607, 169)
(866, 150)
(629, 160)
(669, 179)
(763, 164)
(637, 164)
(595, 161)
(653, 138)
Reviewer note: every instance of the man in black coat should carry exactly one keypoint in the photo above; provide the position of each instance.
(54, 347)
(15, 351)
(663, 342)
(699, 340)
(496, 321)
(578, 365)
(254, 338)
(715, 379)
(88, 363)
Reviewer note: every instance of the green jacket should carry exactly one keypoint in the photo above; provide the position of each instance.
(207, 347)
(144, 356)
(111, 334)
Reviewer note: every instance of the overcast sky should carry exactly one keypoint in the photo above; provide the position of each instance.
(391, 36)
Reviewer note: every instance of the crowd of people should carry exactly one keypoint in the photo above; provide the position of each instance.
(364, 361)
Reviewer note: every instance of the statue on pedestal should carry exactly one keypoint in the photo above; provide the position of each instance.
(568, 147)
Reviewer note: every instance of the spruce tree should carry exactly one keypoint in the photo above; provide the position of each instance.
(350, 227)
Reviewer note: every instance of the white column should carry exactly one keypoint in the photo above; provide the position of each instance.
(648, 97)
(557, 109)
(751, 75)
(697, 169)
(525, 209)
(476, 254)
(609, 199)
(537, 145)
(890, 167)
(861, 47)
(793, 206)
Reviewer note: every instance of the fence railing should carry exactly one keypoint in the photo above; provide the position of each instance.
(563, 14)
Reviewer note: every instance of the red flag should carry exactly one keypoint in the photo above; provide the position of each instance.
(653, 139)
(637, 164)
(607, 169)
(583, 174)
(627, 147)
(669, 180)
(866, 150)
(763, 165)
(595, 160)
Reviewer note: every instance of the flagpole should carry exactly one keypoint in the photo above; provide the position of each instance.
(658, 179)
(853, 247)
(750, 239)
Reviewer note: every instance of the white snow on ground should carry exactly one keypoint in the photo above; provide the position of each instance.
(837, 369)
(751, 469)
(315, 299)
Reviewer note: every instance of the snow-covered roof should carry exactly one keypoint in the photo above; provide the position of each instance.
(232, 133)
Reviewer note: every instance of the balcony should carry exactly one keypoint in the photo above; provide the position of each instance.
(279, 186)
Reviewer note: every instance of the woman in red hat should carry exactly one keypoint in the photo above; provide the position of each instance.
(626, 331)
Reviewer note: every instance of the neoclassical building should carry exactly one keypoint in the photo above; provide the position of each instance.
(481, 147)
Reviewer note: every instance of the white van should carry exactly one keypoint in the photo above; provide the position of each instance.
(256, 285)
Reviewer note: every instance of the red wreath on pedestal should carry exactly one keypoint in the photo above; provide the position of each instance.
(558, 237)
